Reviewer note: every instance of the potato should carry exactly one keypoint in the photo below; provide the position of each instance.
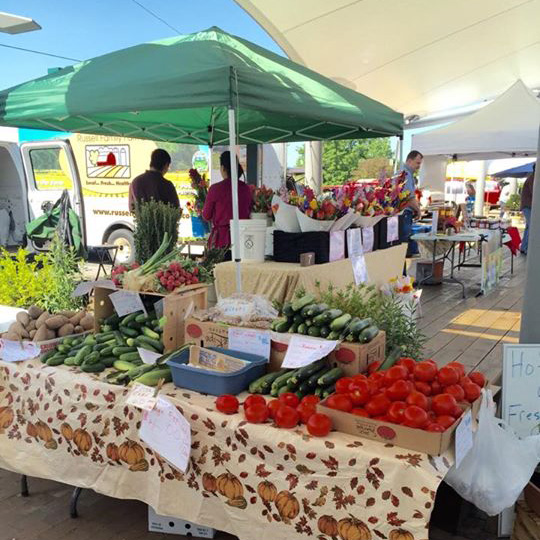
(32, 333)
(66, 330)
(55, 322)
(34, 311)
(41, 334)
(76, 319)
(87, 322)
(31, 325)
(23, 318)
(42, 318)
(19, 329)
(11, 336)
(67, 313)
(79, 329)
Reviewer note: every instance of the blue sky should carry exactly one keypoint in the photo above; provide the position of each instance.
(84, 29)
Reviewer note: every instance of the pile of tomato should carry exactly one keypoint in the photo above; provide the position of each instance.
(287, 411)
(410, 393)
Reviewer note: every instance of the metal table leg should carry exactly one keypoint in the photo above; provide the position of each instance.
(73, 503)
(24, 486)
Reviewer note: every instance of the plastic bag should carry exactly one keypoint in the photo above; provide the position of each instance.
(498, 466)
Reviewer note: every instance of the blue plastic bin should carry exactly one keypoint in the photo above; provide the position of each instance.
(212, 382)
(199, 227)
(418, 228)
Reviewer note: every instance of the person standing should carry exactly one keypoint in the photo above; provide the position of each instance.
(218, 208)
(526, 205)
(412, 164)
(152, 184)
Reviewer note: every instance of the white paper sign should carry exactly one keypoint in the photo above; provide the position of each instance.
(359, 269)
(392, 229)
(435, 221)
(251, 341)
(126, 302)
(368, 239)
(464, 438)
(85, 287)
(148, 357)
(304, 350)
(168, 433)
(354, 241)
(15, 351)
(158, 308)
(337, 245)
(142, 397)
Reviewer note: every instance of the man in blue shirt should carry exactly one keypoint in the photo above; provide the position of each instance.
(412, 164)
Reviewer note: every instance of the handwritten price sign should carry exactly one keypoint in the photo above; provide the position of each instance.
(303, 351)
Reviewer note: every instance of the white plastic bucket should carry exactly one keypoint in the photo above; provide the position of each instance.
(252, 239)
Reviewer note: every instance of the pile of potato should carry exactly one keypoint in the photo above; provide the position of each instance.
(39, 325)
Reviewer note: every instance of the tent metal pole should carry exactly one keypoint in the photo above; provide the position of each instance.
(235, 233)
(530, 314)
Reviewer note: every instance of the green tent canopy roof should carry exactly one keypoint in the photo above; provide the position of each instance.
(179, 89)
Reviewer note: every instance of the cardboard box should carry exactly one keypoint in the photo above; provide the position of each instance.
(207, 334)
(171, 525)
(176, 307)
(353, 358)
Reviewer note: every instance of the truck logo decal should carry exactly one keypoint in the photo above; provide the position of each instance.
(108, 161)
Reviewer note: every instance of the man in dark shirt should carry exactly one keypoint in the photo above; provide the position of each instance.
(152, 184)
(526, 205)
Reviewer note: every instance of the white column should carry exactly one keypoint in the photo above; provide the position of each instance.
(313, 165)
(235, 232)
(480, 188)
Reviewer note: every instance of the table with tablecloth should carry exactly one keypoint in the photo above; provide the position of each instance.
(278, 281)
(249, 480)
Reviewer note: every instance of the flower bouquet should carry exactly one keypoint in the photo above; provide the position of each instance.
(401, 288)
(284, 210)
(199, 184)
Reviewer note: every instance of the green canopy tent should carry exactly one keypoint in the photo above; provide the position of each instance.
(204, 88)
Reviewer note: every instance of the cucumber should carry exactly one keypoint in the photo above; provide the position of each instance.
(162, 322)
(130, 342)
(108, 351)
(306, 372)
(138, 371)
(117, 351)
(302, 329)
(148, 347)
(119, 338)
(282, 325)
(47, 355)
(68, 341)
(325, 331)
(62, 348)
(106, 328)
(100, 346)
(130, 332)
(128, 318)
(150, 333)
(316, 309)
(330, 377)
(77, 341)
(151, 378)
(135, 325)
(82, 353)
(69, 361)
(142, 317)
(314, 331)
(154, 343)
(263, 384)
(130, 357)
(92, 358)
(308, 322)
(107, 361)
(56, 360)
(391, 359)
(113, 319)
(368, 334)
(339, 324)
(93, 368)
(89, 340)
(299, 303)
(120, 365)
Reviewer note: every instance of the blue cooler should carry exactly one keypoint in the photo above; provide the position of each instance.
(416, 229)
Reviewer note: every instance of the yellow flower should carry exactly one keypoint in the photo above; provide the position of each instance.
(347, 202)
(313, 204)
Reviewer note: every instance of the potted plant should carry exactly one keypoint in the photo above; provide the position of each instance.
(199, 184)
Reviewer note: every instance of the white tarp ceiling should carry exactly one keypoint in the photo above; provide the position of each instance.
(507, 127)
(416, 56)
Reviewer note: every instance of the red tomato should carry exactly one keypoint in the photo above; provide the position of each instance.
(444, 404)
(227, 404)
(464, 380)
(418, 399)
(478, 378)
(286, 417)
(290, 399)
(448, 375)
(472, 392)
(455, 390)
(436, 388)
(341, 402)
(358, 384)
(399, 390)
(436, 428)
(360, 377)
(377, 378)
(445, 421)
(311, 400)
(423, 387)
(319, 425)
(342, 385)
(257, 413)
(407, 362)
(305, 410)
(361, 392)
(374, 387)
(251, 400)
(458, 411)
(432, 362)
(395, 373)
(415, 417)
(377, 405)
(396, 410)
(273, 406)
(382, 418)
(459, 367)
(432, 416)
(374, 366)
(360, 412)
(425, 371)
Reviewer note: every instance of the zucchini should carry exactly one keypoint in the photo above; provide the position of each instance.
(150, 333)
(328, 390)
(305, 310)
(285, 389)
(305, 388)
(314, 331)
(318, 391)
(298, 319)
(302, 329)
(330, 377)
(151, 378)
(281, 381)
(391, 359)
(293, 329)
(299, 303)
(339, 324)
(333, 335)
(316, 309)
(325, 331)
(360, 325)
(263, 384)
(306, 372)
(368, 334)
(312, 381)
(347, 330)
(282, 325)
(288, 310)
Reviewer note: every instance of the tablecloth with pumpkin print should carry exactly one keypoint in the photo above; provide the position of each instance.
(249, 480)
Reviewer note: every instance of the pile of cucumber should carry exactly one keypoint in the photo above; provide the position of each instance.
(305, 316)
(318, 378)
(115, 346)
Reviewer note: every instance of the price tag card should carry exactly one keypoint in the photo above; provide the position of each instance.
(168, 433)
(368, 239)
(85, 287)
(337, 245)
(142, 397)
(15, 351)
(251, 341)
(158, 308)
(392, 229)
(354, 242)
(464, 438)
(148, 357)
(359, 269)
(126, 302)
(303, 351)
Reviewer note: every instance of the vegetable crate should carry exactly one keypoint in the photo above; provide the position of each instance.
(176, 307)
(352, 358)
(207, 334)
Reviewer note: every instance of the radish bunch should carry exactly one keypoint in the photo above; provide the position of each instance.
(175, 275)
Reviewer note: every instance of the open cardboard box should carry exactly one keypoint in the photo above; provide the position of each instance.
(207, 333)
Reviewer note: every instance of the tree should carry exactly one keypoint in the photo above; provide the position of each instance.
(342, 158)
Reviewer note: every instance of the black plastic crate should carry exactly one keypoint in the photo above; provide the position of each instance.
(289, 246)
(382, 228)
